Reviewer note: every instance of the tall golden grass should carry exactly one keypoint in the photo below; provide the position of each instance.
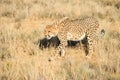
(22, 23)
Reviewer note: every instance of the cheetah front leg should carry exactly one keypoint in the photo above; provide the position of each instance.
(61, 48)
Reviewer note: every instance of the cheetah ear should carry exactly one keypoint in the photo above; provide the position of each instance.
(61, 20)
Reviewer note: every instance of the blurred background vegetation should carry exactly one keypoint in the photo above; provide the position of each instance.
(22, 23)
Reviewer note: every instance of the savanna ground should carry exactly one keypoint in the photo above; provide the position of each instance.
(22, 23)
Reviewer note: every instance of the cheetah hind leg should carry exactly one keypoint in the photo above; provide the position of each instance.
(90, 47)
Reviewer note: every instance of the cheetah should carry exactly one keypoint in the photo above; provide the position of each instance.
(75, 30)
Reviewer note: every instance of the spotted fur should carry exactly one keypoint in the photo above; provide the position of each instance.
(75, 30)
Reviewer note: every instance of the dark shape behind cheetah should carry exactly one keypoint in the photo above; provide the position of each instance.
(54, 42)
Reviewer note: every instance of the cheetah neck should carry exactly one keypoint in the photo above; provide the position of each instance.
(63, 24)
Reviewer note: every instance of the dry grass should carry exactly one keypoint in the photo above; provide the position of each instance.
(22, 23)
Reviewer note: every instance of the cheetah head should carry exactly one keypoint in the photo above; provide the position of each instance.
(50, 31)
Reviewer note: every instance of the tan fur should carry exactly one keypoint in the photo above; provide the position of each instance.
(75, 30)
